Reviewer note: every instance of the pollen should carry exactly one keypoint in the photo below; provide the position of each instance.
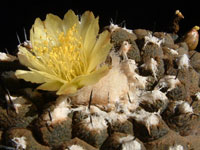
(63, 59)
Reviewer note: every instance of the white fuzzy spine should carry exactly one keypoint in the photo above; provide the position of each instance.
(128, 30)
(169, 81)
(176, 147)
(20, 142)
(146, 118)
(128, 143)
(60, 112)
(97, 123)
(17, 101)
(135, 79)
(184, 107)
(113, 27)
(124, 49)
(173, 51)
(153, 96)
(75, 147)
(183, 62)
(152, 39)
(151, 65)
(7, 57)
(197, 95)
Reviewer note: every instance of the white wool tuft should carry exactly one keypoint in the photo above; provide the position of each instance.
(168, 81)
(75, 147)
(115, 59)
(61, 110)
(161, 85)
(7, 57)
(125, 105)
(125, 47)
(95, 123)
(133, 145)
(93, 110)
(197, 95)
(184, 107)
(142, 81)
(128, 30)
(3, 56)
(127, 138)
(96, 110)
(176, 147)
(151, 65)
(120, 113)
(183, 62)
(152, 120)
(17, 101)
(155, 96)
(20, 142)
(113, 27)
(128, 143)
(152, 96)
(134, 79)
(108, 90)
(146, 118)
(113, 117)
(152, 39)
(81, 108)
(173, 51)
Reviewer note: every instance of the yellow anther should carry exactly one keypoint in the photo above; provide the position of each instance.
(63, 55)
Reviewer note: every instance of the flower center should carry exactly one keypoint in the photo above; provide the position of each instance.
(62, 56)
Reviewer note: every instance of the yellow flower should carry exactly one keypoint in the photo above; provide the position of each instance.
(66, 54)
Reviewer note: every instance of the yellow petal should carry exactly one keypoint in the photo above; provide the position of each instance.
(53, 25)
(35, 76)
(100, 51)
(46, 30)
(30, 76)
(37, 33)
(50, 86)
(23, 58)
(48, 77)
(66, 89)
(27, 59)
(89, 31)
(93, 77)
(84, 80)
(69, 20)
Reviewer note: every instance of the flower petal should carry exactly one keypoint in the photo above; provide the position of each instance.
(43, 31)
(66, 89)
(37, 33)
(27, 59)
(69, 20)
(89, 31)
(50, 86)
(84, 80)
(30, 76)
(48, 77)
(100, 51)
(53, 25)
